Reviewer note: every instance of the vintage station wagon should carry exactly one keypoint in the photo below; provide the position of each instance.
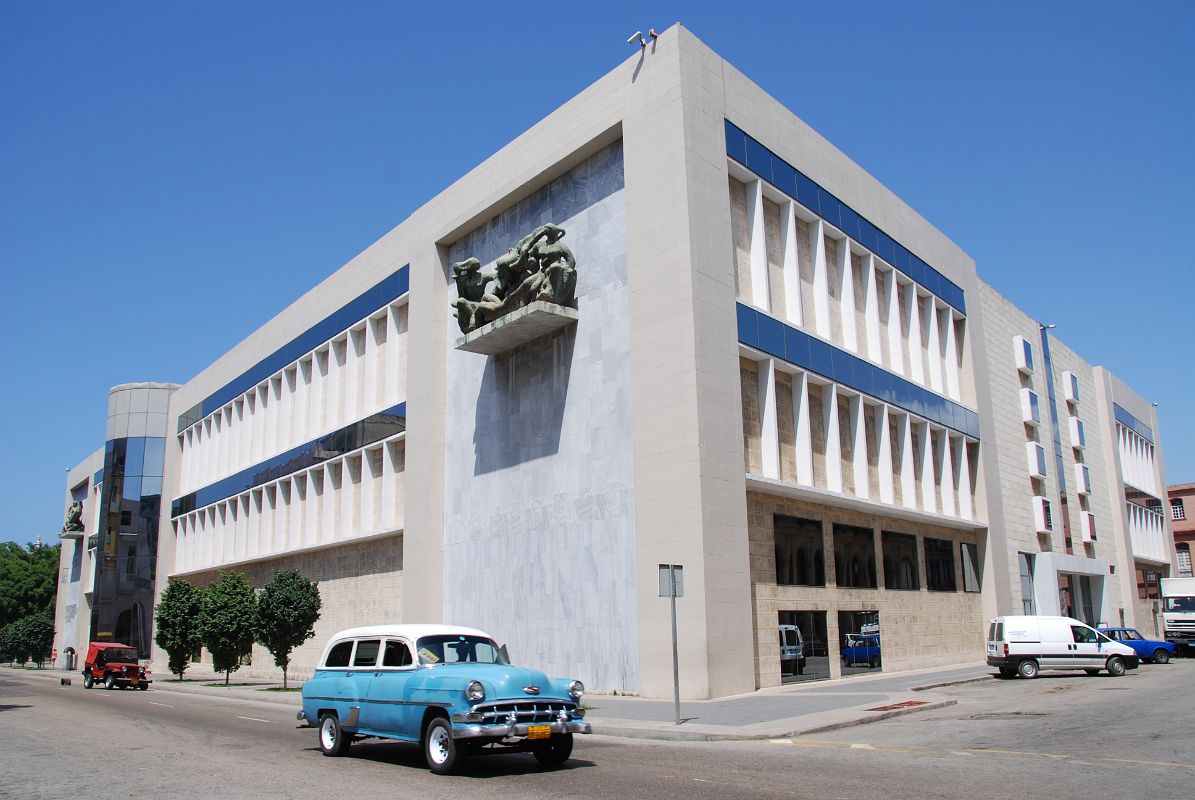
(449, 688)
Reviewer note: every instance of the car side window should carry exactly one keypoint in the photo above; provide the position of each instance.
(367, 652)
(397, 654)
(338, 656)
(1084, 635)
(1130, 635)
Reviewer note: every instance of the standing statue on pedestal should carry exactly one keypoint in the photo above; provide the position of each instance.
(538, 268)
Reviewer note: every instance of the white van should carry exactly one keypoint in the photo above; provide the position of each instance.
(792, 649)
(1024, 645)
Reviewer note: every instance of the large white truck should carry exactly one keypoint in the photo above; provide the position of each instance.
(1178, 613)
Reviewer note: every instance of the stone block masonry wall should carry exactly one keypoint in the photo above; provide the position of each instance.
(919, 628)
(359, 583)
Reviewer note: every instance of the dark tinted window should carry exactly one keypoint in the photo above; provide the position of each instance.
(1084, 635)
(338, 656)
(854, 557)
(397, 655)
(799, 557)
(939, 565)
(972, 572)
(367, 653)
(900, 561)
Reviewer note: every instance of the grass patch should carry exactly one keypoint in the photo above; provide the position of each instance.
(224, 685)
(280, 689)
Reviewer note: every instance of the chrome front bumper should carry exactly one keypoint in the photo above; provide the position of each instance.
(516, 731)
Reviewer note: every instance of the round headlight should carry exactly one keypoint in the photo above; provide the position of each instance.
(475, 692)
(576, 689)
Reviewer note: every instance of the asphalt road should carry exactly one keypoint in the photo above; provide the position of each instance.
(1062, 737)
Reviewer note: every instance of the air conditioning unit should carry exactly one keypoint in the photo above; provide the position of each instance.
(1078, 433)
(1030, 407)
(1042, 516)
(1037, 459)
(1070, 387)
(1088, 525)
(1023, 354)
(1082, 479)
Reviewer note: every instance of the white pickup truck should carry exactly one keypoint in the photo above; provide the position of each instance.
(1178, 612)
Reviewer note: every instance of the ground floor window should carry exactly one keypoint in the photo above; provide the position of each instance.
(859, 642)
(802, 636)
(854, 557)
(939, 565)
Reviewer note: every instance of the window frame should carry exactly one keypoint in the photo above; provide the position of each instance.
(948, 552)
(352, 647)
(387, 640)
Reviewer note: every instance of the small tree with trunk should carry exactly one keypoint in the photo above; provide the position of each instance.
(229, 613)
(179, 616)
(287, 610)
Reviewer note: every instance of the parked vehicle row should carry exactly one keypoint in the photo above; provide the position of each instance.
(1025, 645)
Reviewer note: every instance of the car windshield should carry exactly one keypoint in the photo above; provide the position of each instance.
(455, 649)
(120, 656)
(1180, 603)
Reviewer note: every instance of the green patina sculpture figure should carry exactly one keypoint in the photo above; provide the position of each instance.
(74, 518)
(538, 267)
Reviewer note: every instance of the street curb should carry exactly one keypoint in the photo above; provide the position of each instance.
(958, 682)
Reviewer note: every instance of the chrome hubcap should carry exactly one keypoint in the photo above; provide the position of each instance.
(438, 747)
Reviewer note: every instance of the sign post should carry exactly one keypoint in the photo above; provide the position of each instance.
(672, 586)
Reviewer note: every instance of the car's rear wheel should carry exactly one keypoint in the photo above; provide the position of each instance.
(439, 748)
(332, 740)
(110, 681)
(88, 681)
(555, 751)
(873, 662)
(1007, 672)
(1115, 666)
(1027, 668)
(1161, 656)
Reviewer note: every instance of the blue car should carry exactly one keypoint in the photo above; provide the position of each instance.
(1148, 649)
(861, 649)
(448, 688)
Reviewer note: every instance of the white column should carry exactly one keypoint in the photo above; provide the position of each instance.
(354, 358)
(369, 491)
(348, 499)
(389, 481)
(946, 457)
(286, 411)
(833, 443)
(760, 295)
(253, 532)
(884, 455)
(294, 516)
(908, 478)
(390, 390)
(821, 286)
(311, 509)
(951, 356)
(846, 296)
(804, 442)
(896, 343)
(926, 456)
(769, 432)
(871, 310)
(333, 479)
(962, 466)
(791, 269)
(916, 355)
(933, 343)
(369, 402)
(336, 417)
(859, 446)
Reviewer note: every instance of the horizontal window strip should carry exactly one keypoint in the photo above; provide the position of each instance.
(770, 335)
(770, 167)
(1132, 423)
(362, 433)
(355, 310)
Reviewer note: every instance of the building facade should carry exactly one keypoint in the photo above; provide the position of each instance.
(1182, 498)
(772, 372)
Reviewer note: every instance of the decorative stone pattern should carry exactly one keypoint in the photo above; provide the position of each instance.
(740, 232)
(785, 426)
(919, 628)
(752, 447)
(775, 250)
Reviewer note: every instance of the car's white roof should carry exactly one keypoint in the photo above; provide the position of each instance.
(408, 631)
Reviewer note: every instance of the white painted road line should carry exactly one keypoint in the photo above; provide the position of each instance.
(163, 705)
(255, 719)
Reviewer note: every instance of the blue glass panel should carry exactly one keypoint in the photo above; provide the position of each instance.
(820, 360)
(132, 487)
(154, 455)
(796, 347)
(848, 222)
(736, 143)
(973, 424)
(771, 336)
(843, 367)
(97, 478)
(865, 377)
(806, 192)
(901, 258)
(828, 206)
(748, 325)
(784, 177)
(906, 395)
(885, 385)
(134, 456)
(916, 269)
(150, 486)
(886, 247)
(933, 281)
(868, 235)
(759, 159)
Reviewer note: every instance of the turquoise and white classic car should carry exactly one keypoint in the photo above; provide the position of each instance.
(449, 688)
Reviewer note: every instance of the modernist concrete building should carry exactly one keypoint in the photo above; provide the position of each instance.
(775, 373)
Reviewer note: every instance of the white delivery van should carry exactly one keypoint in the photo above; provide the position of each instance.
(1024, 645)
(792, 649)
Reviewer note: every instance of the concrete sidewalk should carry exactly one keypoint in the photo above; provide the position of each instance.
(783, 711)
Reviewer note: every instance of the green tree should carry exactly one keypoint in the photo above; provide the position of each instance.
(287, 610)
(28, 580)
(229, 612)
(179, 617)
(30, 637)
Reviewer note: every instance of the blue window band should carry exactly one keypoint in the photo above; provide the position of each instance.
(362, 433)
(369, 301)
(788, 179)
(770, 335)
(1132, 423)
(98, 477)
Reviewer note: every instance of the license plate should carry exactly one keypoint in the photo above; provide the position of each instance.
(539, 731)
(135, 681)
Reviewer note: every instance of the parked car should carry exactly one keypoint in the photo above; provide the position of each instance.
(861, 649)
(114, 665)
(792, 650)
(449, 688)
(1024, 645)
(1148, 649)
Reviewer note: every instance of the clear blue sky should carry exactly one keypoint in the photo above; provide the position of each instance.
(173, 174)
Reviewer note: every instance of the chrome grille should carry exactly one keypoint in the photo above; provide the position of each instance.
(539, 711)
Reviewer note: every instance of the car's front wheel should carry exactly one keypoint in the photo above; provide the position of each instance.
(110, 681)
(1161, 656)
(332, 740)
(439, 748)
(1115, 666)
(143, 686)
(555, 751)
(1027, 668)
(88, 681)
